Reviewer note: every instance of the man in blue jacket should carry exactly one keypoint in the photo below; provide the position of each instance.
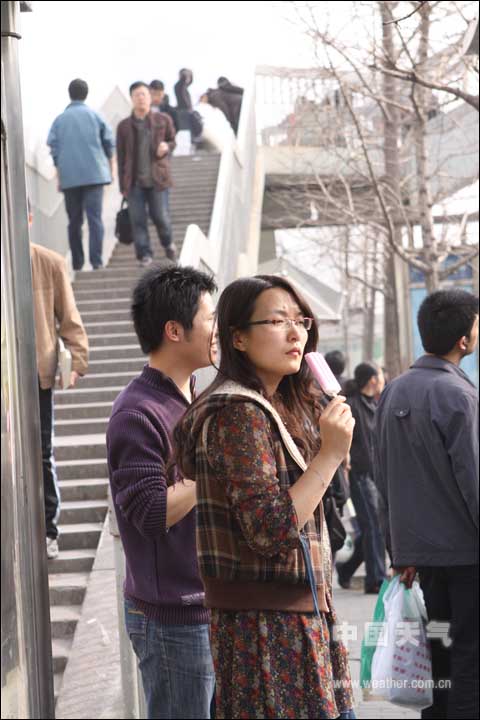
(81, 144)
(427, 472)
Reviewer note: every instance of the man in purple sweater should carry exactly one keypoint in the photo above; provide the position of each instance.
(165, 617)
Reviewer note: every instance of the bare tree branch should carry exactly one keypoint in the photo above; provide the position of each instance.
(413, 77)
(395, 22)
(465, 260)
(388, 220)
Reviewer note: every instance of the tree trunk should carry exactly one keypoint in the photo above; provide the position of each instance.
(369, 307)
(392, 355)
(432, 280)
(346, 304)
(419, 95)
(369, 327)
(392, 175)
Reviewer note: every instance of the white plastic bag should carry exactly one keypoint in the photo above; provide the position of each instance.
(401, 666)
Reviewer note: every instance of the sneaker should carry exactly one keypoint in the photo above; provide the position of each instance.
(145, 261)
(171, 252)
(52, 548)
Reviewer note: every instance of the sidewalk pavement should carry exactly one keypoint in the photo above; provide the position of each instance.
(356, 608)
(92, 682)
(91, 687)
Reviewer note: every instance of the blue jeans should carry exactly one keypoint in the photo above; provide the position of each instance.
(157, 202)
(176, 666)
(370, 546)
(90, 199)
(51, 493)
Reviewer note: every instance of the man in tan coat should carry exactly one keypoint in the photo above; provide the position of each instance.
(56, 315)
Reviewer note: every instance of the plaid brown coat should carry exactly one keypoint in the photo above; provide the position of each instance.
(248, 541)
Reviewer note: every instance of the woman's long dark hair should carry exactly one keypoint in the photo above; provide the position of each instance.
(298, 398)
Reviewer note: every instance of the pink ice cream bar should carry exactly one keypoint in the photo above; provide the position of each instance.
(324, 376)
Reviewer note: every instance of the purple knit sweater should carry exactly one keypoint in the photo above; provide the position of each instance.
(162, 576)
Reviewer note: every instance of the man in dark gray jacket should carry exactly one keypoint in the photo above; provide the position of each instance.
(427, 472)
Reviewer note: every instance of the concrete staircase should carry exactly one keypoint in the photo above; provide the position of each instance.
(81, 414)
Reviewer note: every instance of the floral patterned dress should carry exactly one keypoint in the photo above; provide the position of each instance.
(272, 664)
(278, 665)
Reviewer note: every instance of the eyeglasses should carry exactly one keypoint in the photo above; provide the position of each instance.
(286, 323)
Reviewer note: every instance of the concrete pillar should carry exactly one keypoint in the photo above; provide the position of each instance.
(267, 249)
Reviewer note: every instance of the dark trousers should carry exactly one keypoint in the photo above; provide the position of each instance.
(88, 198)
(370, 545)
(157, 202)
(50, 486)
(185, 120)
(451, 596)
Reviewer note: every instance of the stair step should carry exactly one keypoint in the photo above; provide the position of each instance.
(129, 273)
(99, 295)
(64, 619)
(107, 304)
(72, 560)
(99, 327)
(111, 352)
(83, 511)
(189, 169)
(89, 395)
(81, 469)
(94, 314)
(192, 212)
(203, 157)
(80, 427)
(68, 449)
(60, 652)
(109, 365)
(106, 379)
(79, 535)
(104, 283)
(106, 315)
(185, 176)
(114, 339)
(85, 489)
(198, 207)
(67, 588)
(79, 411)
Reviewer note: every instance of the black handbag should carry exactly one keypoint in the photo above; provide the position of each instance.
(123, 227)
(340, 487)
(336, 530)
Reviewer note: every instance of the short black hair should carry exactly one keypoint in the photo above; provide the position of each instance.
(78, 89)
(336, 362)
(364, 372)
(166, 292)
(444, 317)
(157, 85)
(137, 84)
